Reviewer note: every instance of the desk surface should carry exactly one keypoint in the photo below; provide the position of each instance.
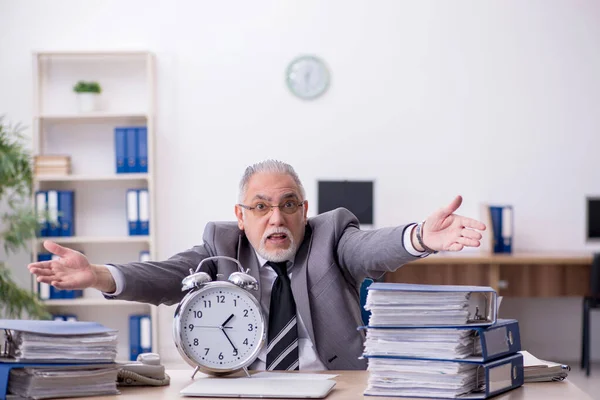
(350, 385)
(514, 258)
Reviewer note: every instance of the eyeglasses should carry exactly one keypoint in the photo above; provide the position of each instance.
(262, 209)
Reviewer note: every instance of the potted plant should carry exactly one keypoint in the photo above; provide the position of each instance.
(18, 221)
(87, 95)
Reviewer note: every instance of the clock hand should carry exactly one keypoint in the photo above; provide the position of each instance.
(209, 326)
(227, 336)
(227, 320)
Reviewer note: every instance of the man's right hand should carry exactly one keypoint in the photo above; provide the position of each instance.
(71, 271)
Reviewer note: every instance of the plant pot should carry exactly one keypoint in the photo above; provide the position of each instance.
(87, 102)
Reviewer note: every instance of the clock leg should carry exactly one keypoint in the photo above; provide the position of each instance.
(195, 372)
(246, 371)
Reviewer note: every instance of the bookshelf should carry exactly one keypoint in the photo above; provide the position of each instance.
(88, 138)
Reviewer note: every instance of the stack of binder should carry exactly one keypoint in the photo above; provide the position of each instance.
(52, 165)
(439, 341)
(43, 359)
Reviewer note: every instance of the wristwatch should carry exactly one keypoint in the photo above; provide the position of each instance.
(420, 238)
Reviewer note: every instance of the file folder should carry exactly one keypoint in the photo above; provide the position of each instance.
(488, 343)
(144, 212)
(131, 149)
(41, 199)
(132, 212)
(5, 368)
(492, 378)
(120, 150)
(142, 151)
(140, 335)
(53, 223)
(44, 288)
(66, 212)
(430, 300)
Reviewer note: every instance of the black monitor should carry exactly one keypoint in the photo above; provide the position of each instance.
(593, 218)
(356, 196)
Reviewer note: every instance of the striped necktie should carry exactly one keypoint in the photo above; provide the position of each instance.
(282, 350)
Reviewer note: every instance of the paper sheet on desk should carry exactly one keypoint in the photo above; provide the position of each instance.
(284, 375)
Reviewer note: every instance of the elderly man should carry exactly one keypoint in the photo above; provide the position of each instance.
(309, 270)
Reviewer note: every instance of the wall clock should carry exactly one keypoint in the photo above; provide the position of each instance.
(307, 77)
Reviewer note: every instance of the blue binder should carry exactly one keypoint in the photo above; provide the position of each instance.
(142, 150)
(121, 150)
(131, 149)
(499, 376)
(5, 368)
(66, 212)
(490, 297)
(502, 228)
(498, 340)
(140, 335)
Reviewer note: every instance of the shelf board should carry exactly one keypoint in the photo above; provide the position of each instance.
(87, 53)
(91, 117)
(90, 178)
(95, 239)
(89, 302)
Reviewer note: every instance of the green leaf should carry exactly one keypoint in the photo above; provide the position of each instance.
(19, 220)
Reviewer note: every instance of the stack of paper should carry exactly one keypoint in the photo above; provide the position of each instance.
(59, 341)
(422, 378)
(537, 370)
(392, 305)
(91, 347)
(439, 341)
(51, 382)
(423, 343)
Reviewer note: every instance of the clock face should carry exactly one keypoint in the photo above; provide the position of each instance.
(307, 77)
(219, 327)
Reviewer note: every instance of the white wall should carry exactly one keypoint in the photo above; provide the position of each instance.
(495, 100)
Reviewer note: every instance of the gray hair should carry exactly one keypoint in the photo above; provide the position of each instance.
(268, 166)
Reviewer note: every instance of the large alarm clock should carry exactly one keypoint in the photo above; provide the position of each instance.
(219, 327)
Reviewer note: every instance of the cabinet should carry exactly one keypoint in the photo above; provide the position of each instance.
(512, 275)
(127, 80)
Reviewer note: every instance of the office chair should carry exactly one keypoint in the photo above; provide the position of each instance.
(590, 301)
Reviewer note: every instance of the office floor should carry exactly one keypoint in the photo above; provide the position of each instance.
(591, 384)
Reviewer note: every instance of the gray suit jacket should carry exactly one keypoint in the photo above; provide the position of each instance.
(330, 265)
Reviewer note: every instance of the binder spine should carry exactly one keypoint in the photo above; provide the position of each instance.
(132, 212)
(144, 211)
(121, 150)
(41, 209)
(142, 150)
(131, 149)
(53, 223)
(503, 375)
(500, 341)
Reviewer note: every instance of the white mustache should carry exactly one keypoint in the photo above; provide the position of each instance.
(277, 230)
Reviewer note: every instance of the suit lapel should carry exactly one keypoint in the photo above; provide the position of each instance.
(300, 283)
(247, 257)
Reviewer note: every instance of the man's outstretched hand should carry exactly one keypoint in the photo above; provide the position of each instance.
(71, 271)
(445, 231)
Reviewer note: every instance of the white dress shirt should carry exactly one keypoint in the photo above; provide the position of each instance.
(309, 360)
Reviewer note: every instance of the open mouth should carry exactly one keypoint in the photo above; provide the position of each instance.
(277, 237)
